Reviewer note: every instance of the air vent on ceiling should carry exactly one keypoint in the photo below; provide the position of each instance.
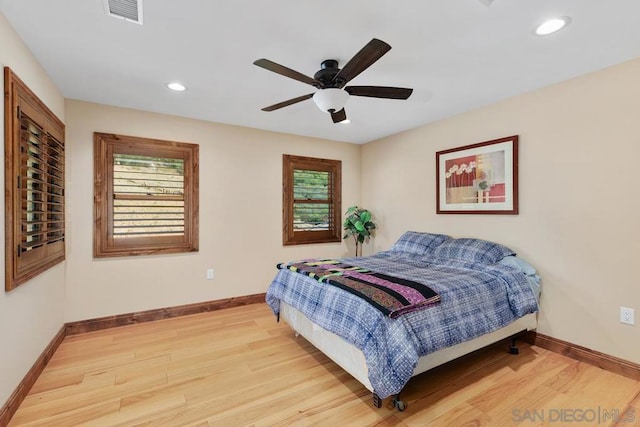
(129, 10)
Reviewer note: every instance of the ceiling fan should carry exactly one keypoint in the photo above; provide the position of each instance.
(332, 93)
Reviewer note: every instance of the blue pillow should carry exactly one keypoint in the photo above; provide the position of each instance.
(519, 264)
(473, 250)
(414, 242)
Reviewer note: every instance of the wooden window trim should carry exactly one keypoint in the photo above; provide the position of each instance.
(104, 243)
(334, 167)
(21, 266)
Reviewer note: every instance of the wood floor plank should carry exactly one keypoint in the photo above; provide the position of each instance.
(516, 384)
(90, 392)
(74, 417)
(238, 366)
(463, 415)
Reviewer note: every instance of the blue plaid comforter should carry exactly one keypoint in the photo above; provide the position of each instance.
(476, 299)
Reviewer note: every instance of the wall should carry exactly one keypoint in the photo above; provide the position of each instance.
(240, 213)
(578, 221)
(32, 314)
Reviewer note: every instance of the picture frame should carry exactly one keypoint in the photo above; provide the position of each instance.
(479, 178)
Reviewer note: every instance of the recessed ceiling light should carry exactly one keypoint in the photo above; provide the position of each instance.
(552, 25)
(178, 87)
(345, 121)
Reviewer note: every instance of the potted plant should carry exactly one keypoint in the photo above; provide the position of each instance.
(359, 225)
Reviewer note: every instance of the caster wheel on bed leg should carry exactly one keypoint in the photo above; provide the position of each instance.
(377, 402)
(513, 348)
(398, 404)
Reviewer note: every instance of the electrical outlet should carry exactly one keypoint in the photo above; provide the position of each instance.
(210, 274)
(627, 316)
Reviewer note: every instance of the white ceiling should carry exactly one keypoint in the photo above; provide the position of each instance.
(457, 55)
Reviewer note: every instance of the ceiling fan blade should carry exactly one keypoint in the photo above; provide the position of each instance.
(361, 61)
(284, 71)
(287, 102)
(379, 91)
(339, 116)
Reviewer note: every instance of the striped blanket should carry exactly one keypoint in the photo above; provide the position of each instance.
(393, 296)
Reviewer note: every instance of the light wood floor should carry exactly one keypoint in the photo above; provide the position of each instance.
(238, 367)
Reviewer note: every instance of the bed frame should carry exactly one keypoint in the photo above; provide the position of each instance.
(352, 360)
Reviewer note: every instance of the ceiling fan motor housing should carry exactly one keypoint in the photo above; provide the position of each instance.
(326, 73)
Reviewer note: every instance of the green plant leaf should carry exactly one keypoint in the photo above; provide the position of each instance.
(358, 223)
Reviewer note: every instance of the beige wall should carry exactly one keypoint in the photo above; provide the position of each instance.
(240, 213)
(32, 314)
(578, 222)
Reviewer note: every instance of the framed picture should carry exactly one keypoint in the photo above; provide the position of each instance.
(480, 178)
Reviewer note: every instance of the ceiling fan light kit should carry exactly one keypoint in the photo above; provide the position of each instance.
(331, 100)
(332, 93)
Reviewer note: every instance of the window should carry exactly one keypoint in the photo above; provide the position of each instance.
(311, 200)
(146, 196)
(34, 184)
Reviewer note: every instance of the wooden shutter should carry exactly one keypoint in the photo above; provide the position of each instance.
(311, 200)
(146, 196)
(34, 184)
(313, 208)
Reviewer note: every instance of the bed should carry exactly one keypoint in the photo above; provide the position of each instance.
(472, 293)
